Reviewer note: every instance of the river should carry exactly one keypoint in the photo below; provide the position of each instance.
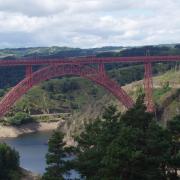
(32, 149)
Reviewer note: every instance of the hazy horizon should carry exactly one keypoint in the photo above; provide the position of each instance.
(170, 44)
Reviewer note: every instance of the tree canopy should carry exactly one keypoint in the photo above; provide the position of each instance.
(55, 157)
(129, 146)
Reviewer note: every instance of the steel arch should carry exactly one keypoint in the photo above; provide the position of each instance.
(53, 71)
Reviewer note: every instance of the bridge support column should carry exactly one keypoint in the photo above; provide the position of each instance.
(29, 72)
(148, 87)
(101, 69)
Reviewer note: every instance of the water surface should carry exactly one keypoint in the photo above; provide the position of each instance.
(32, 149)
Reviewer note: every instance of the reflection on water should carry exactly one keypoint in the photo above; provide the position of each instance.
(32, 149)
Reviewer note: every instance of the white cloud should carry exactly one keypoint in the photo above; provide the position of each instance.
(89, 23)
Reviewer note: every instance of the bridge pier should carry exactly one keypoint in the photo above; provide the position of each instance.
(29, 72)
(148, 87)
(101, 69)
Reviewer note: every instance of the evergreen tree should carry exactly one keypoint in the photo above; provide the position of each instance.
(92, 143)
(9, 163)
(174, 161)
(55, 157)
(129, 147)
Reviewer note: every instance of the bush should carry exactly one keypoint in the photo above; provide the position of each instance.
(69, 86)
(74, 105)
(20, 118)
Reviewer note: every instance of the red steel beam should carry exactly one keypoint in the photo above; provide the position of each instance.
(28, 70)
(29, 74)
(58, 71)
(101, 69)
(148, 87)
(89, 60)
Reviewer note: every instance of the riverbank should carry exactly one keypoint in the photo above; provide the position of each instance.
(15, 131)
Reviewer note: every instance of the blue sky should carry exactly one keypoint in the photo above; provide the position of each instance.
(88, 23)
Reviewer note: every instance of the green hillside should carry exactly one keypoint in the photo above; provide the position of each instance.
(53, 52)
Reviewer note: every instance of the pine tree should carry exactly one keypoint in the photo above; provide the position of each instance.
(129, 146)
(92, 144)
(55, 157)
(140, 149)
(174, 161)
(9, 163)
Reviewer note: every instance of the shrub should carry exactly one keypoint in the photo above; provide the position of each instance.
(20, 118)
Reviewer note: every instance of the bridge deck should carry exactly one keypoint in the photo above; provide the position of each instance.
(89, 60)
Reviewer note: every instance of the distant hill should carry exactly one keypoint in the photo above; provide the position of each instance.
(53, 52)
(64, 52)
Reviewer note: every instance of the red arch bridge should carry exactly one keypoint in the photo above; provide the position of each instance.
(83, 67)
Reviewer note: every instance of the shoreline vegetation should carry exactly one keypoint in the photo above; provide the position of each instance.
(37, 123)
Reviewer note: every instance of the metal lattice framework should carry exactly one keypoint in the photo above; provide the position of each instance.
(96, 75)
(148, 86)
(81, 66)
